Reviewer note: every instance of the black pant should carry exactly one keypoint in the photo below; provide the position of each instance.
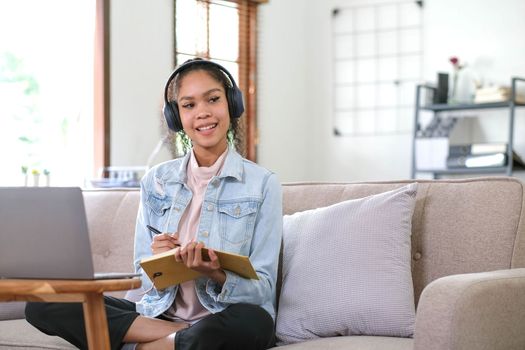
(240, 326)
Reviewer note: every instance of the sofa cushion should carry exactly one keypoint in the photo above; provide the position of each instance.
(346, 269)
(12, 310)
(20, 335)
(353, 342)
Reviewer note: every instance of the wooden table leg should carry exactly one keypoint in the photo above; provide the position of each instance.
(96, 323)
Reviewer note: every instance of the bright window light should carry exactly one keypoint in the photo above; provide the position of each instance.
(46, 91)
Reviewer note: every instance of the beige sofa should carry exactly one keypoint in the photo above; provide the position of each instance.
(468, 259)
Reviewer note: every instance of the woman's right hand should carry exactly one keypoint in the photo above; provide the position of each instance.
(164, 242)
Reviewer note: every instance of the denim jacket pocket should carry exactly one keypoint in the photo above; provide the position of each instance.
(158, 205)
(237, 220)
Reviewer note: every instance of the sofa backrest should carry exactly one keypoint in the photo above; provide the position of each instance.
(111, 216)
(458, 226)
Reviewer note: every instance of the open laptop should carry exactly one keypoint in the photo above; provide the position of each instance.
(44, 235)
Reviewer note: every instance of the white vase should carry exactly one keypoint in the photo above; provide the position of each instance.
(36, 178)
(462, 86)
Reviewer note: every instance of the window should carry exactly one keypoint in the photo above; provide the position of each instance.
(223, 31)
(46, 91)
(377, 54)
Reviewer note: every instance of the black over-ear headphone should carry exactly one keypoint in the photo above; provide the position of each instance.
(233, 94)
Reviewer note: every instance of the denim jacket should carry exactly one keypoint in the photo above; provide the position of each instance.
(241, 213)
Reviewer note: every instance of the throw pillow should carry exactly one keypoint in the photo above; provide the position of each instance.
(346, 269)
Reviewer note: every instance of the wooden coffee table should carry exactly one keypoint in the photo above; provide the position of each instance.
(87, 292)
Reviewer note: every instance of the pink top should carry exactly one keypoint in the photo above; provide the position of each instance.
(187, 306)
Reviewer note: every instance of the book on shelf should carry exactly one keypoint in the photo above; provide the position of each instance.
(477, 149)
(477, 161)
(496, 94)
(164, 271)
(467, 156)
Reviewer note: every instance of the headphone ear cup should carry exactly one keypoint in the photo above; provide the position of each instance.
(171, 113)
(235, 102)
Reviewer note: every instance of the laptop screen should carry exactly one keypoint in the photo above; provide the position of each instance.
(43, 233)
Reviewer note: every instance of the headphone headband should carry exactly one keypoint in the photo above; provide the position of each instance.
(233, 94)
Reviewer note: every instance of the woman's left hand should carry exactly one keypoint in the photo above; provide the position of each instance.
(191, 256)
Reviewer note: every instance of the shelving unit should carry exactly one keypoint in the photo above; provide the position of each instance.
(438, 108)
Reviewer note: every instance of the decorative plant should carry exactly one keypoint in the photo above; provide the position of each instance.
(36, 176)
(24, 171)
(46, 173)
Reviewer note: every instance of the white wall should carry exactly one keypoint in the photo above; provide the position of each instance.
(141, 58)
(284, 110)
(482, 31)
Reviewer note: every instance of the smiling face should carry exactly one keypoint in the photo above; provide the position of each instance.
(203, 110)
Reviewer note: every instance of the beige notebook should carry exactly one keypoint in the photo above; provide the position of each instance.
(164, 271)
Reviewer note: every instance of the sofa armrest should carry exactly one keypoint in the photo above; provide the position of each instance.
(472, 311)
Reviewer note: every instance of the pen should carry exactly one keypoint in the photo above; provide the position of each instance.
(153, 229)
(157, 232)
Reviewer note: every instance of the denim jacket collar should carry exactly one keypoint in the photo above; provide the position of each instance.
(233, 167)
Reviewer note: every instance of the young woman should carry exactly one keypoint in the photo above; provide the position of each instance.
(214, 198)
